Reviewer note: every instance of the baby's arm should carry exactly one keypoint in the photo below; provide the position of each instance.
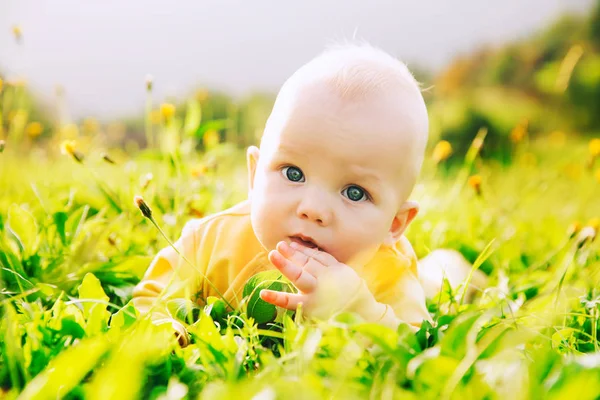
(169, 276)
(403, 301)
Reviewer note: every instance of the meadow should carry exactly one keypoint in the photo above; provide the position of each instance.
(511, 180)
(73, 244)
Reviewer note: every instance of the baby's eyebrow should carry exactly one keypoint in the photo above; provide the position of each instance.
(364, 175)
(285, 152)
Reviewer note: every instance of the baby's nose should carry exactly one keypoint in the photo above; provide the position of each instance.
(316, 210)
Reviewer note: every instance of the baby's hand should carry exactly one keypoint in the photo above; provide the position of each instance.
(325, 285)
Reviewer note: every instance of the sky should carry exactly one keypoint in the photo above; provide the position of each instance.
(101, 51)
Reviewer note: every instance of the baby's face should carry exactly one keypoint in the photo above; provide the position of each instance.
(327, 175)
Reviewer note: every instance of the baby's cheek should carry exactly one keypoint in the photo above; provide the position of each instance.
(360, 245)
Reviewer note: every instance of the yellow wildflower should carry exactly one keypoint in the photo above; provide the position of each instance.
(17, 33)
(201, 95)
(34, 129)
(68, 147)
(595, 147)
(167, 111)
(475, 183)
(519, 132)
(210, 138)
(573, 229)
(199, 170)
(442, 150)
(594, 223)
(1, 82)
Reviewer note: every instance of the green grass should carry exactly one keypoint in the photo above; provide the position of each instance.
(73, 245)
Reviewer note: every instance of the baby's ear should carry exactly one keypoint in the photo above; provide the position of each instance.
(407, 212)
(252, 159)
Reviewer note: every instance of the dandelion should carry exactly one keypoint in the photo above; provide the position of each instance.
(34, 129)
(594, 223)
(1, 83)
(595, 147)
(573, 229)
(442, 150)
(193, 211)
(519, 132)
(2, 145)
(70, 147)
(201, 95)
(199, 170)
(144, 208)
(149, 81)
(210, 138)
(17, 33)
(167, 111)
(586, 235)
(475, 183)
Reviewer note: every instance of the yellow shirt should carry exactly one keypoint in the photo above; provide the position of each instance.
(225, 250)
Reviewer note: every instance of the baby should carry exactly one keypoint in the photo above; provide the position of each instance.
(328, 200)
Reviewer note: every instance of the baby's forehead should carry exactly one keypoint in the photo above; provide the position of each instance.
(378, 118)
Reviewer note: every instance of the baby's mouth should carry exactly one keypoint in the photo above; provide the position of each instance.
(305, 241)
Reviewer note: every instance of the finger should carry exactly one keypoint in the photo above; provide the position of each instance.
(289, 301)
(301, 278)
(307, 263)
(321, 256)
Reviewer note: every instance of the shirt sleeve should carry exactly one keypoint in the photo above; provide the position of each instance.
(396, 284)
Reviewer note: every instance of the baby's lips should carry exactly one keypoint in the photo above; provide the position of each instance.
(309, 242)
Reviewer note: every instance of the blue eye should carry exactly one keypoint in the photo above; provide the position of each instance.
(355, 193)
(293, 174)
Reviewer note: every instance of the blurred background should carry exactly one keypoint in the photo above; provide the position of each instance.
(122, 70)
